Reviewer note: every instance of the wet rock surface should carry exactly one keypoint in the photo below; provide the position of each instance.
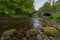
(25, 29)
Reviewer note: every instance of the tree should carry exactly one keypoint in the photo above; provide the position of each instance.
(45, 7)
(58, 5)
(50, 1)
(16, 7)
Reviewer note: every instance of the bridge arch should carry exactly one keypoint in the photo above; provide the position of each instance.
(46, 14)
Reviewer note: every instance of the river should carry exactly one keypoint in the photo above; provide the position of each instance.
(36, 23)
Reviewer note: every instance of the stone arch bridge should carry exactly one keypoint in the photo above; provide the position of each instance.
(46, 13)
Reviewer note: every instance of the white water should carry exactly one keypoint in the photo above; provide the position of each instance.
(36, 23)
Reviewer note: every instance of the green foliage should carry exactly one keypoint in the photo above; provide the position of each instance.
(46, 6)
(35, 15)
(16, 7)
(50, 31)
(58, 5)
(56, 16)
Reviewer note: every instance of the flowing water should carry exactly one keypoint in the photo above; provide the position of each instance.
(37, 5)
(36, 23)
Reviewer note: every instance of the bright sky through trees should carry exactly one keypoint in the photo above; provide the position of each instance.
(39, 3)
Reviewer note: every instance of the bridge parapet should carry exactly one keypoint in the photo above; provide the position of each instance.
(41, 13)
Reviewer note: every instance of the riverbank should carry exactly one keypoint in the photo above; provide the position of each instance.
(7, 23)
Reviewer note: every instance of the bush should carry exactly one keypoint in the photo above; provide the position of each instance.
(16, 7)
(36, 15)
(49, 31)
(56, 16)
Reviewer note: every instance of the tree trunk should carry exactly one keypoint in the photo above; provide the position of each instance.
(50, 1)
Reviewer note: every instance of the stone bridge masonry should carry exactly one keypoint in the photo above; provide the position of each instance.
(47, 13)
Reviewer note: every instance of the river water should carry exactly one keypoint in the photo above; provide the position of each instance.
(36, 23)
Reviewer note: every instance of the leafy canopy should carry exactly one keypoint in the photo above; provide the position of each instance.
(16, 7)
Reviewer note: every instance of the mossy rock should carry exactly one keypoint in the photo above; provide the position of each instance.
(34, 30)
(50, 31)
(8, 32)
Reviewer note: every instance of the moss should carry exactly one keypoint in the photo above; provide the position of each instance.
(50, 31)
(33, 30)
(8, 32)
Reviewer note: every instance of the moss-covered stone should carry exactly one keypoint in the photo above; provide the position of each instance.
(9, 31)
(50, 31)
